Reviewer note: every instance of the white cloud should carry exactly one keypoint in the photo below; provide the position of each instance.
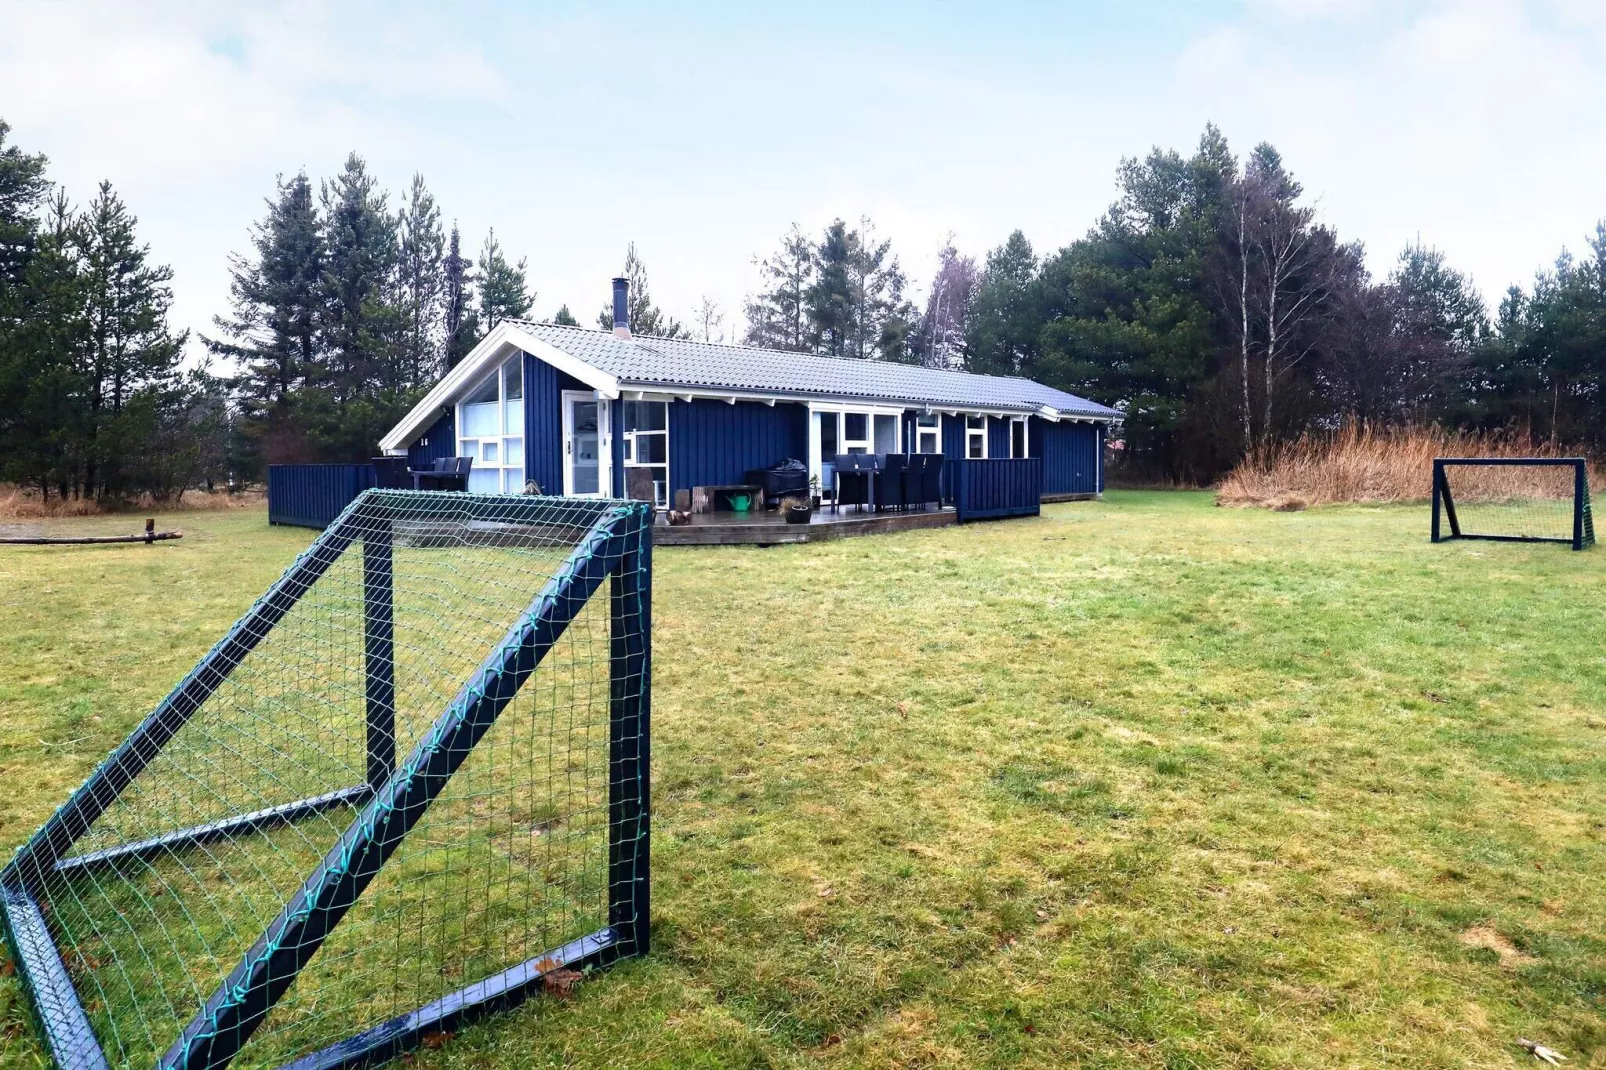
(700, 136)
(1473, 124)
(1319, 9)
(191, 111)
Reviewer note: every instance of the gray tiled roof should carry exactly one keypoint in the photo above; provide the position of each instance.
(658, 362)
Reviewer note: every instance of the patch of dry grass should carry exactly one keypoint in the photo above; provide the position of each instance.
(26, 503)
(1362, 463)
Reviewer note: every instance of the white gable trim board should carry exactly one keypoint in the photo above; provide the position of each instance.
(502, 342)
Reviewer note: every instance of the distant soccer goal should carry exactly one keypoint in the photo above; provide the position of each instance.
(1530, 499)
(409, 785)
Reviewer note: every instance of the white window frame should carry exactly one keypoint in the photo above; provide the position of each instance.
(630, 438)
(512, 477)
(933, 430)
(835, 410)
(1025, 436)
(604, 444)
(972, 432)
(865, 444)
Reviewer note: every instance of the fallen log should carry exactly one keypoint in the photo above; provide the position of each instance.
(150, 535)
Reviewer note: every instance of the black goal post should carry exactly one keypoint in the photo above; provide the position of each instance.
(1513, 499)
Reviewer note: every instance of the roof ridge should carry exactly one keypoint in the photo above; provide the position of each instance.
(732, 366)
(644, 338)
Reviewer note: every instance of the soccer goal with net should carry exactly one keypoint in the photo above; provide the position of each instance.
(1531, 499)
(409, 785)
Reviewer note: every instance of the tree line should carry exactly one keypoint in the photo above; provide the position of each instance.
(93, 401)
(345, 311)
(1214, 308)
(1209, 303)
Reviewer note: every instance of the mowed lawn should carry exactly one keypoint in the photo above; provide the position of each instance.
(1140, 783)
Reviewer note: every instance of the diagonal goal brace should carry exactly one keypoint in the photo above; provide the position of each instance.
(607, 541)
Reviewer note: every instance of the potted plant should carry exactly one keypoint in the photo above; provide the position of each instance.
(795, 510)
(814, 490)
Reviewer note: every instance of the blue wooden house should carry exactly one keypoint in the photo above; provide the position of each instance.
(576, 411)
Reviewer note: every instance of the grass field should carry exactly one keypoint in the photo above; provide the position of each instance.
(1139, 783)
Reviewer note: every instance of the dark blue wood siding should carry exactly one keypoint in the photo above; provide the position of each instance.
(543, 422)
(543, 425)
(953, 436)
(439, 441)
(312, 495)
(998, 438)
(1071, 456)
(711, 442)
(996, 487)
(616, 430)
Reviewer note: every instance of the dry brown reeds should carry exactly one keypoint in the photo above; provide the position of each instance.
(1361, 463)
(26, 503)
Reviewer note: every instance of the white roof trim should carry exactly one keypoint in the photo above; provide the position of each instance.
(504, 339)
(839, 402)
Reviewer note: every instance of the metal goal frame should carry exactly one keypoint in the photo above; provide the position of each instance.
(1444, 508)
(615, 549)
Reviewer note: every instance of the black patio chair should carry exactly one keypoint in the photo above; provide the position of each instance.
(390, 473)
(931, 479)
(449, 473)
(855, 480)
(892, 487)
(913, 475)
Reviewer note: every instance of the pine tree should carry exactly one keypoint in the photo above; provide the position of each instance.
(778, 317)
(830, 298)
(882, 319)
(23, 188)
(130, 349)
(276, 299)
(357, 327)
(1002, 334)
(41, 415)
(646, 318)
(502, 286)
(565, 318)
(420, 287)
(461, 322)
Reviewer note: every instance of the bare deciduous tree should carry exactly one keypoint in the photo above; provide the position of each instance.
(710, 320)
(942, 329)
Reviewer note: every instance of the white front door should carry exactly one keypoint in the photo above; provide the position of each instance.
(587, 448)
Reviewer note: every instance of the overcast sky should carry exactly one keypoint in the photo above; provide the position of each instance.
(702, 131)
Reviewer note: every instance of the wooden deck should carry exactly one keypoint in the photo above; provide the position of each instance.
(768, 529)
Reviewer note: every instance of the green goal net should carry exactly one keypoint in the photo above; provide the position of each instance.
(409, 784)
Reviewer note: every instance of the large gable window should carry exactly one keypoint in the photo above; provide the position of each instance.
(490, 429)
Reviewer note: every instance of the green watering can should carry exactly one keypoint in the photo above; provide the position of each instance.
(740, 502)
